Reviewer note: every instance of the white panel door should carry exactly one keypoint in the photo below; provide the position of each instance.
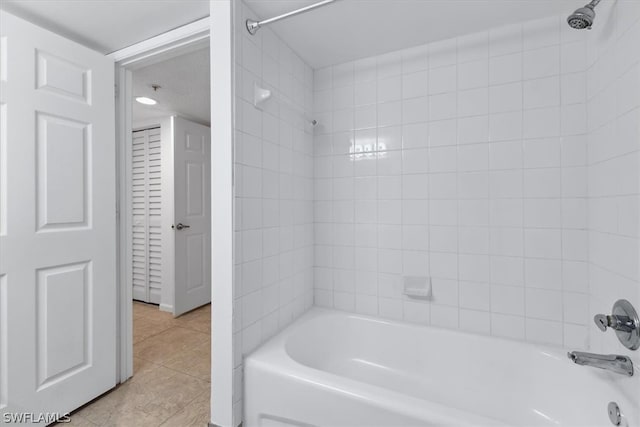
(57, 216)
(192, 145)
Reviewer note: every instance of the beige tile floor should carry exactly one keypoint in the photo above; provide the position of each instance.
(171, 374)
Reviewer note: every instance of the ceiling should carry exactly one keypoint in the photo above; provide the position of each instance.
(108, 25)
(185, 88)
(351, 29)
(339, 32)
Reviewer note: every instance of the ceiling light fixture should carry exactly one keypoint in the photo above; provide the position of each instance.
(146, 101)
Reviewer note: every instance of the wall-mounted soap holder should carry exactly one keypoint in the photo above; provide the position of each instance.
(417, 287)
(260, 95)
(624, 320)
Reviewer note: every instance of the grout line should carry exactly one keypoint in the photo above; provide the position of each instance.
(457, 122)
(562, 243)
(377, 195)
(489, 239)
(402, 196)
(522, 153)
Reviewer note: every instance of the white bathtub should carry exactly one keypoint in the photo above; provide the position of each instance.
(332, 368)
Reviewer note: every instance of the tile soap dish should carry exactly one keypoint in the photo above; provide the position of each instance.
(417, 286)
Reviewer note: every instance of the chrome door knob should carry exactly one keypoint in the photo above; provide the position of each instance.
(181, 226)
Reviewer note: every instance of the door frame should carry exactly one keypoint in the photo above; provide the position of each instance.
(176, 42)
(221, 16)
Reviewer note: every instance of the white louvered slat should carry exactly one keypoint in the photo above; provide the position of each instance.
(138, 190)
(155, 260)
(146, 197)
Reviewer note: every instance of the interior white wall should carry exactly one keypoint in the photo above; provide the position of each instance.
(613, 93)
(273, 221)
(168, 212)
(222, 118)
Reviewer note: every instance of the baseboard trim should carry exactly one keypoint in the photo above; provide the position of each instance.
(166, 307)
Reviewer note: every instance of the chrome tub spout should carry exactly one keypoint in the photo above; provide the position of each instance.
(611, 362)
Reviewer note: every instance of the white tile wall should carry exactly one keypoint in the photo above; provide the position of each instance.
(463, 160)
(273, 281)
(505, 165)
(613, 113)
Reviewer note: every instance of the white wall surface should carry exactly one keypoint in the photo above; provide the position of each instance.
(222, 349)
(478, 180)
(273, 192)
(613, 90)
(613, 93)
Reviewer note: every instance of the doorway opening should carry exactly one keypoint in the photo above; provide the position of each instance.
(164, 234)
(169, 186)
(170, 231)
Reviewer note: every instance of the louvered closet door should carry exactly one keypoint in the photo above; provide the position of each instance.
(146, 199)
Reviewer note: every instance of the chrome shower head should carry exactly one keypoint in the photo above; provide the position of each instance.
(583, 18)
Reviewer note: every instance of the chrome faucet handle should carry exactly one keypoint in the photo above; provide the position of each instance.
(618, 323)
(624, 321)
(601, 321)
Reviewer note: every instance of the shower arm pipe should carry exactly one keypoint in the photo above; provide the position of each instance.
(282, 101)
(253, 26)
(287, 103)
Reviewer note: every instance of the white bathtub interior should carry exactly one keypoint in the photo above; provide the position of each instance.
(500, 163)
(419, 375)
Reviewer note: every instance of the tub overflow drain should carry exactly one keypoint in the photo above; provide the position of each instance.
(614, 413)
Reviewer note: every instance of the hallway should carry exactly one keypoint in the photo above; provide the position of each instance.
(171, 381)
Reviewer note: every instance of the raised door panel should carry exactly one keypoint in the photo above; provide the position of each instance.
(63, 313)
(64, 176)
(195, 261)
(195, 190)
(62, 77)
